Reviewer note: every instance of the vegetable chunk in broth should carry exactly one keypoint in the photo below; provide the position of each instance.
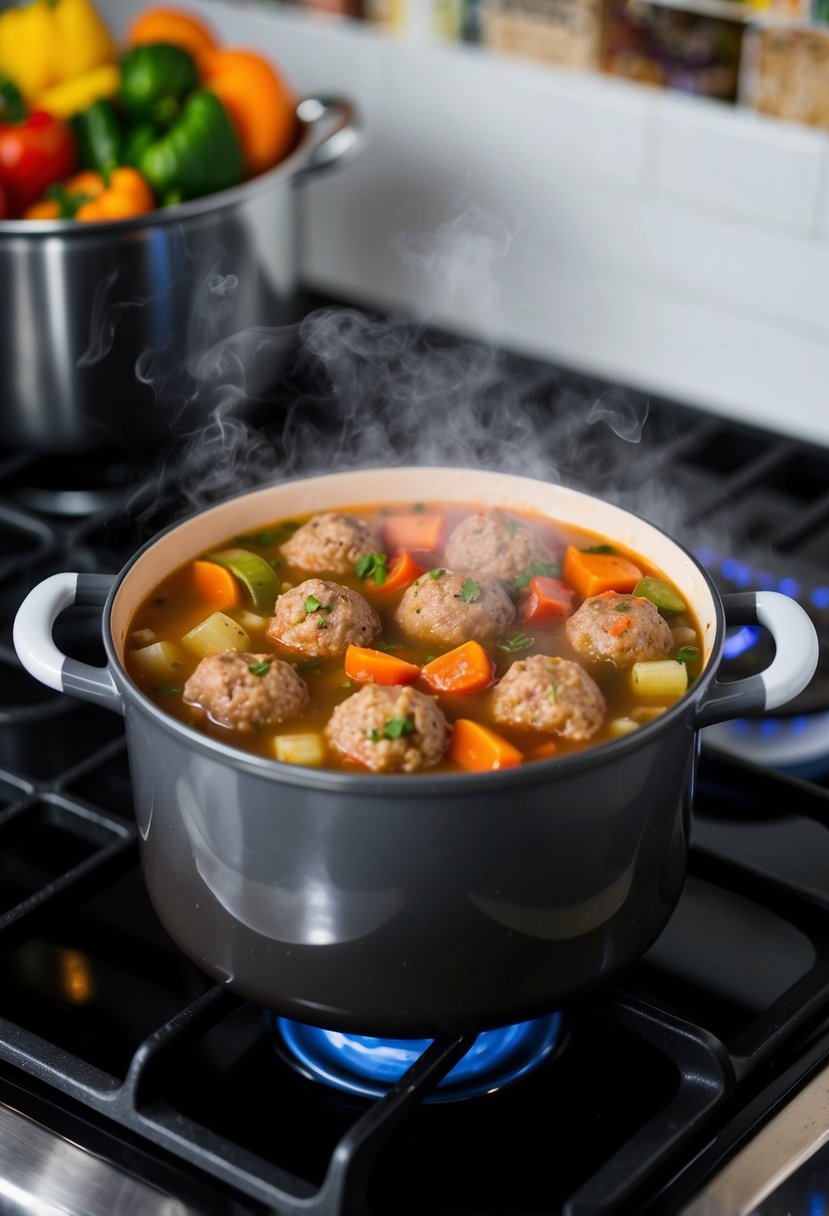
(405, 638)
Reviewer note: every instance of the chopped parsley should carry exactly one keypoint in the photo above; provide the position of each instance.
(623, 607)
(687, 654)
(418, 506)
(395, 728)
(470, 591)
(312, 604)
(167, 690)
(264, 540)
(260, 669)
(553, 693)
(346, 684)
(598, 549)
(516, 642)
(311, 664)
(512, 524)
(387, 647)
(321, 623)
(437, 573)
(374, 564)
(535, 568)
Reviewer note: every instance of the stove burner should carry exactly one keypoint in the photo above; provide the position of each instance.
(73, 488)
(359, 1064)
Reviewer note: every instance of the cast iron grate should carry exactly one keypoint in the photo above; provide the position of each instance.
(78, 939)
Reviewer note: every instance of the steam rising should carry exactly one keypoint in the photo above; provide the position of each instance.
(357, 390)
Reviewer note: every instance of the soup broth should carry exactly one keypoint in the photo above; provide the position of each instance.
(530, 639)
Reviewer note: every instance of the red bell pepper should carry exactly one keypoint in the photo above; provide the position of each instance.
(35, 150)
(4, 211)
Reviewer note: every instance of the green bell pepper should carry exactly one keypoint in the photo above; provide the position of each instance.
(97, 130)
(155, 79)
(136, 141)
(198, 155)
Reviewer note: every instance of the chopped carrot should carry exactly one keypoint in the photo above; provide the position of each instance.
(414, 531)
(479, 749)
(548, 600)
(467, 668)
(543, 751)
(215, 585)
(375, 667)
(402, 571)
(593, 573)
(619, 627)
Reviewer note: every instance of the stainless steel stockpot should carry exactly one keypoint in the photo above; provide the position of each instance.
(119, 334)
(407, 904)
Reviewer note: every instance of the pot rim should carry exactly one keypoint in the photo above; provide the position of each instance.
(408, 785)
(220, 200)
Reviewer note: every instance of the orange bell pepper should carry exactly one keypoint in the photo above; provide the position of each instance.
(127, 194)
(175, 27)
(260, 104)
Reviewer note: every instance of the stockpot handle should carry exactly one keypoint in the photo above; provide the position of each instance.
(791, 669)
(339, 131)
(36, 648)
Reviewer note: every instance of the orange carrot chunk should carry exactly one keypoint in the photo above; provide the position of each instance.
(415, 531)
(593, 573)
(216, 586)
(374, 667)
(402, 572)
(619, 627)
(479, 749)
(543, 751)
(549, 600)
(467, 668)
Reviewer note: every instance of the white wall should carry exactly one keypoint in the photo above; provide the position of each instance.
(671, 243)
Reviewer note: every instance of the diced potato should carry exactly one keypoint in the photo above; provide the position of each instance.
(684, 636)
(659, 678)
(300, 749)
(617, 727)
(142, 637)
(215, 634)
(252, 620)
(159, 660)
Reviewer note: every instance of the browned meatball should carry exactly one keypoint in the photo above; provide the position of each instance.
(389, 729)
(549, 694)
(330, 544)
(495, 543)
(243, 691)
(322, 618)
(594, 630)
(455, 607)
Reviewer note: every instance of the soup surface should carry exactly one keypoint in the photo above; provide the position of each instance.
(415, 637)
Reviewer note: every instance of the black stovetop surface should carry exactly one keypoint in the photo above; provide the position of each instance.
(109, 1035)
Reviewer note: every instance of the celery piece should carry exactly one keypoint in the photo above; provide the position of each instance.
(215, 634)
(254, 573)
(661, 595)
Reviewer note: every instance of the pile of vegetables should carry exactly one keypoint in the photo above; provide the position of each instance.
(90, 131)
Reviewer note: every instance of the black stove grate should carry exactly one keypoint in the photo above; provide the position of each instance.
(102, 1018)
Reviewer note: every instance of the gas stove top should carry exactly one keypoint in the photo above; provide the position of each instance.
(128, 1083)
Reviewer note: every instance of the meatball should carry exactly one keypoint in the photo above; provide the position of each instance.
(455, 607)
(330, 543)
(322, 618)
(389, 729)
(243, 691)
(549, 694)
(595, 632)
(495, 543)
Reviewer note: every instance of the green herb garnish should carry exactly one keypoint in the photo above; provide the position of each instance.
(437, 572)
(535, 568)
(260, 669)
(394, 729)
(263, 539)
(553, 694)
(312, 604)
(387, 647)
(516, 642)
(598, 549)
(168, 690)
(623, 607)
(418, 506)
(470, 591)
(375, 564)
(346, 684)
(687, 654)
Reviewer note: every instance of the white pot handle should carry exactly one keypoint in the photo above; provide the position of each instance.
(791, 669)
(36, 648)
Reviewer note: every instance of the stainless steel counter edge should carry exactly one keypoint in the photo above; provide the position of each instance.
(42, 1174)
(772, 1156)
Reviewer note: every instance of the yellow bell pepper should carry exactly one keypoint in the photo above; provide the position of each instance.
(48, 41)
(68, 98)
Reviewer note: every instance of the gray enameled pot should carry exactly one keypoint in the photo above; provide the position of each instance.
(119, 335)
(407, 904)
